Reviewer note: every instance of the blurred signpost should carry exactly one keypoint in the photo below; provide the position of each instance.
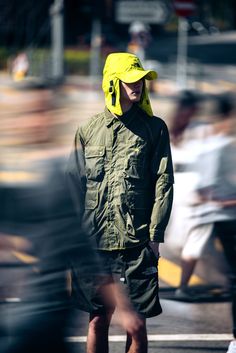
(183, 9)
(148, 11)
(95, 50)
(95, 61)
(56, 13)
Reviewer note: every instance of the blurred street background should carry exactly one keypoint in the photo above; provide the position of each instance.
(61, 46)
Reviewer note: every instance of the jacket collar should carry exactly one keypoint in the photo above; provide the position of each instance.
(126, 118)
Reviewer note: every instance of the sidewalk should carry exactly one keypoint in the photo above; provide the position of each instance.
(198, 294)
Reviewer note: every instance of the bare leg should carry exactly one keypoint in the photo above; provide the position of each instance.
(137, 343)
(188, 266)
(97, 339)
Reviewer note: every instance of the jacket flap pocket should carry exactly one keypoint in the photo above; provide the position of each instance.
(94, 151)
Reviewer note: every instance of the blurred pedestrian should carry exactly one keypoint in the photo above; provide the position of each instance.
(40, 234)
(198, 233)
(122, 157)
(188, 128)
(20, 66)
(42, 243)
(39, 230)
(140, 39)
(217, 190)
(213, 200)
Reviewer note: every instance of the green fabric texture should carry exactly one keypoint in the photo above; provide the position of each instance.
(125, 168)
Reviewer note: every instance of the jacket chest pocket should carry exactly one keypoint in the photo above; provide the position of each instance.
(94, 162)
(135, 164)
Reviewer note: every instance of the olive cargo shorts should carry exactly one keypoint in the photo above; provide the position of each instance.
(136, 269)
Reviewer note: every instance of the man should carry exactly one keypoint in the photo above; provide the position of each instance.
(122, 157)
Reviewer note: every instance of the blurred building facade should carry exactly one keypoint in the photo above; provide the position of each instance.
(28, 23)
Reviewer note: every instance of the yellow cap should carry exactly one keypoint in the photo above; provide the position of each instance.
(127, 68)
(124, 67)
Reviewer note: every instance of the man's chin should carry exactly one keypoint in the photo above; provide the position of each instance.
(135, 99)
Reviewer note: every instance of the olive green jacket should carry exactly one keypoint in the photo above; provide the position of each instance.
(121, 174)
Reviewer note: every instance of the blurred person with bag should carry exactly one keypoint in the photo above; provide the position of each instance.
(216, 192)
(212, 210)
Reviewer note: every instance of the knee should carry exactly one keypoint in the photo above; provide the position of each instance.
(140, 330)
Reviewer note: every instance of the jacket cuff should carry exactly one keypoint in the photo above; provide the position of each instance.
(157, 235)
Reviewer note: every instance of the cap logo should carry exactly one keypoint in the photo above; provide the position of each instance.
(134, 65)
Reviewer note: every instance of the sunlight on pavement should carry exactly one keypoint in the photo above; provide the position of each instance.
(170, 273)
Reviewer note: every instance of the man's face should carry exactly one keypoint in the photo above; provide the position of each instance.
(131, 92)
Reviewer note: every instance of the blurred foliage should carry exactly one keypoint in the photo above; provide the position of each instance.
(40, 61)
(76, 61)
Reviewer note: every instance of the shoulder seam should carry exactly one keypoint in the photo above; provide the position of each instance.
(91, 122)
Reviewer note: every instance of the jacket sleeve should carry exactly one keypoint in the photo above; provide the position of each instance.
(162, 171)
(76, 174)
(84, 261)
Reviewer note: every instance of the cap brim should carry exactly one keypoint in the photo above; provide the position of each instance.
(136, 75)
